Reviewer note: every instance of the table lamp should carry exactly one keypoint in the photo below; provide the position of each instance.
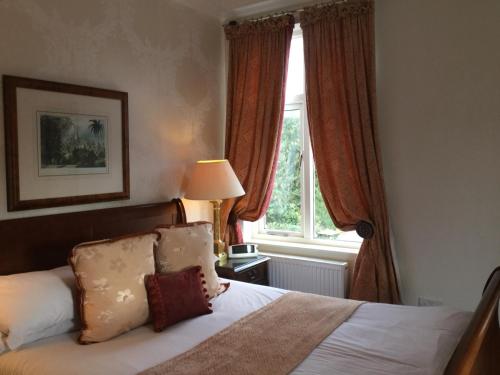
(214, 180)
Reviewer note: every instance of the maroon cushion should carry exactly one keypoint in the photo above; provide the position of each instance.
(176, 296)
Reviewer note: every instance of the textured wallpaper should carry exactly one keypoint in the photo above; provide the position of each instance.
(166, 56)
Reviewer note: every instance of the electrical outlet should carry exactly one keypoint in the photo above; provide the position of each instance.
(427, 301)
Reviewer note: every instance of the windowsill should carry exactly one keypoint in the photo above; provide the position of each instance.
(320, 251)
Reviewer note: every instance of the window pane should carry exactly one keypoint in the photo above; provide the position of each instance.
(295, 75)
(284, 211)
(323, 224)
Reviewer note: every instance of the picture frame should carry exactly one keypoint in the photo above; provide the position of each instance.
(65, 144)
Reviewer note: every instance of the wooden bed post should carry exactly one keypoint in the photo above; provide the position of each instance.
(478, 352)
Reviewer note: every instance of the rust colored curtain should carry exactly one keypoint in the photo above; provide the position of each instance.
(340, 94)
(258, 62)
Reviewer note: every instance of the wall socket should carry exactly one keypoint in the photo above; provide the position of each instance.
(429, 301)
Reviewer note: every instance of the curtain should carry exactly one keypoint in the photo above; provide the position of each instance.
(340, 96)
(258, 62)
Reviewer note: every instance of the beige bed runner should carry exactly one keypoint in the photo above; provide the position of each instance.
(272, 340)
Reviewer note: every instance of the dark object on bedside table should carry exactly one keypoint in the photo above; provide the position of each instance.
(249, 270)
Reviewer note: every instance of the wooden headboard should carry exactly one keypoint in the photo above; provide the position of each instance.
(44, 242)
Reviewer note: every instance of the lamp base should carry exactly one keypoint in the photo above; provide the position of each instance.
(220, 251)
(223, 258)
(219, 245)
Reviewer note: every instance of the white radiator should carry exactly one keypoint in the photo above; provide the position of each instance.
(324, 277)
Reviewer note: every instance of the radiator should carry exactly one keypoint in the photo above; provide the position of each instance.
(324, 277)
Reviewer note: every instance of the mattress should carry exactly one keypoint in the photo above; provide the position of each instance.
(376, 339)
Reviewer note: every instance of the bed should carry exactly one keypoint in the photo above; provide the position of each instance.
(376, 339)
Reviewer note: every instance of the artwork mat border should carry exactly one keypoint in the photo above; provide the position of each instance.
(10, 86)
(34, 187)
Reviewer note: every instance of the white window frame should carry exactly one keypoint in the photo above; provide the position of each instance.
(296, 104)
(257, 231)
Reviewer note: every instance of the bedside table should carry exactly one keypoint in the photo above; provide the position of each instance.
(249, 270)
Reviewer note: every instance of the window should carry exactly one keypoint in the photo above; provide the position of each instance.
(297, 211)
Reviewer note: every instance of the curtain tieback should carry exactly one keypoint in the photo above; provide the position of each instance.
(364, 229)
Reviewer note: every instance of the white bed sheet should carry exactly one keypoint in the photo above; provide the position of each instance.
(376, 339)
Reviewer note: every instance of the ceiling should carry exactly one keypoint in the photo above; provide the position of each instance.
(225, 10)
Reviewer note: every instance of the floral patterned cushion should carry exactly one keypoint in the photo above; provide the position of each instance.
(187, 245)
(110, 278)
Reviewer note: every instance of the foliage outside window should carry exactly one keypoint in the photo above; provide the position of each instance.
(285, 212)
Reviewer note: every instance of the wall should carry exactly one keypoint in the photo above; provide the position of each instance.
(439, 120)
(167, 57)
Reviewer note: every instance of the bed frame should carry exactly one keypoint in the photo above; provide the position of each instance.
(478, 352)
(43, 242)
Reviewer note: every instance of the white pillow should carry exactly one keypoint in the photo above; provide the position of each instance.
(36, 305)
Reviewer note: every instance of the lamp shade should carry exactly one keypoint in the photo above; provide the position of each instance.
(212, 180)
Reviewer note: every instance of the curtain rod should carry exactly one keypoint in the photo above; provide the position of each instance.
(293, 11)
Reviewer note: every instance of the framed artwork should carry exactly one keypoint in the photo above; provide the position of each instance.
(65, 144)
